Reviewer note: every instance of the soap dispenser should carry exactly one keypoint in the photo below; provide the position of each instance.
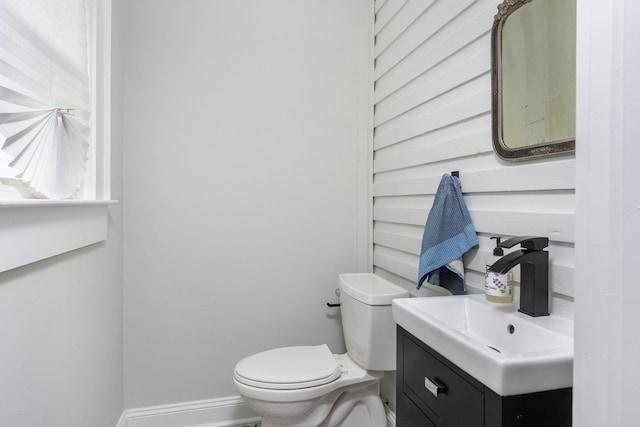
(498, 287)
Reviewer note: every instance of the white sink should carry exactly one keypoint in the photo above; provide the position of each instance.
(508, 351)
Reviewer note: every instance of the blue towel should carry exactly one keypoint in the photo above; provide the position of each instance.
(448, 234)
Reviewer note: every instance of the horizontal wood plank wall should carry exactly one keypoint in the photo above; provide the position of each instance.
(433, 116)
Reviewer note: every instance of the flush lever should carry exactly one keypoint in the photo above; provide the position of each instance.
(338, 295)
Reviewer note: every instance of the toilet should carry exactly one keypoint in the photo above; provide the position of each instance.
(308, 386)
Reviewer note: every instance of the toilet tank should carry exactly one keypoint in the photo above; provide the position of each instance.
(367, 323)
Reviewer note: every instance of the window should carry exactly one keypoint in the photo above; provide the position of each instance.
(48, 99)
(55, 60)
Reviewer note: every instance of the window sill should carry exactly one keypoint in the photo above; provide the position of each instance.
(32, 230)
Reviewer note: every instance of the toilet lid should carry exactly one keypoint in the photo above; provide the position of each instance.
(289, 368)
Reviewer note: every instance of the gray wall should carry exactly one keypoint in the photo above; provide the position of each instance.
(607, 328)
(241, 176)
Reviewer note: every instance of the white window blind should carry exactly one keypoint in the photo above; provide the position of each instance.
(45, 96)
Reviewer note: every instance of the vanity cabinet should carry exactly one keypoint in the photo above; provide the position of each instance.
(432, 391)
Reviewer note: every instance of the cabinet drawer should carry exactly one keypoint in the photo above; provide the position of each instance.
(412, 415)
(457, 400)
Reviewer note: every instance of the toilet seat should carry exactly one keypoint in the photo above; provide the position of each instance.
(350, 375)
(289, 368)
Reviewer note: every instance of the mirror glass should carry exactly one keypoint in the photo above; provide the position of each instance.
(533, 77)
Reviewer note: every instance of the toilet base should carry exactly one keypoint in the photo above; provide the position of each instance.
(357, 407)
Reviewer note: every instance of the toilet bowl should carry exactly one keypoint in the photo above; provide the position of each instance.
(307, 386)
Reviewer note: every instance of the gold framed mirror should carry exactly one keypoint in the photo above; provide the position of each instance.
(533, 48)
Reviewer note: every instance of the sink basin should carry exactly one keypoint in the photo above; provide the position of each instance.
(506, 350)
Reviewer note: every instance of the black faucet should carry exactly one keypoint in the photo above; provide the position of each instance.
(534, 272)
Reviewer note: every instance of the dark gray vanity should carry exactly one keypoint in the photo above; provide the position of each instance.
(432, 391)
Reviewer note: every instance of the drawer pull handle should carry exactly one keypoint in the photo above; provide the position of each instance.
(435, 386)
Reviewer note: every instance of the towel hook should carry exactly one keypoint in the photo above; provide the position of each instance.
(455, 173)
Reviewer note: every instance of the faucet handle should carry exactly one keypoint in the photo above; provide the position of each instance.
(530, 243)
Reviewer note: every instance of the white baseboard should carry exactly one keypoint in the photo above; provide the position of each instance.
(122, 422)
(221, 412)
(391, 416)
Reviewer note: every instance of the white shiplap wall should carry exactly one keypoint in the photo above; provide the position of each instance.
(432, 116)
